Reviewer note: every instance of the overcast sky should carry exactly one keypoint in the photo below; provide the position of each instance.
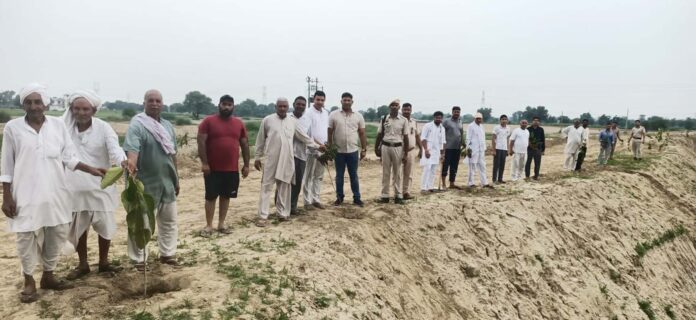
(570, 56)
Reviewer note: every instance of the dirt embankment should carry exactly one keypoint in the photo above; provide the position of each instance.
(560, 248)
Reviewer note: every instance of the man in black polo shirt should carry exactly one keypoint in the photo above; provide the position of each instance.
(536, 148)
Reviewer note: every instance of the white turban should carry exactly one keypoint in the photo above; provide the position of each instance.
(90, 96)
(35, 88)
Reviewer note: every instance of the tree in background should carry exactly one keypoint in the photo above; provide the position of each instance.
(467, 118)
(486, 113)
(370, 114)
(121, 105)
(128, 113)
(539, 111)
(564, 119)
(6, 99)
(587, 116)
(517, 116)
(382, 111)
(603, 119)
(177, 107)
(653, 123)
(199, 104)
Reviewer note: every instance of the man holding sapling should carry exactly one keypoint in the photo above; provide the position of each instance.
(220, 138)
(96, 144)
(150, 145)
(36, 149)
(585, 142)
(574, 140)
(314, 173)
(274, 145)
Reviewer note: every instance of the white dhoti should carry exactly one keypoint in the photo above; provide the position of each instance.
(477, 163)
(46, 242)
(570, 160)
(313, 176)
(101, 221)
(166, 231)
(518, 162)
(282, 200)
(428, 178)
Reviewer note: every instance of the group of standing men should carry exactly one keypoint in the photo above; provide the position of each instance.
(49, 206)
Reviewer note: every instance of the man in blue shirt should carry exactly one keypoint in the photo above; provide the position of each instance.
(606, 140)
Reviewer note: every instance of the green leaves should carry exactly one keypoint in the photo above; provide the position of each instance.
(112, 175)
(330, 153)
(140, 212)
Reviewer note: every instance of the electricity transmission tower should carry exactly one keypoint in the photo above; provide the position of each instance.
(312, 85)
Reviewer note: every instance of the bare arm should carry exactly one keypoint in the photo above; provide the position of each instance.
(203, 152)
(9, 208)
(244, 142)
(132, 163)
(493, 141)
(331, 130)
(99, 172)
(363, 142)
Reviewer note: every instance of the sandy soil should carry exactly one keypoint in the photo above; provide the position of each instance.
(559, 248)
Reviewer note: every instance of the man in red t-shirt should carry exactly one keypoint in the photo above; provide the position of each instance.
(219, 139)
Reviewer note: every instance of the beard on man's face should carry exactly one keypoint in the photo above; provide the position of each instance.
(225, 113)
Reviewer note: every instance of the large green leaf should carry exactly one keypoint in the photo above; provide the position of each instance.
(140, 212)
(112, 175)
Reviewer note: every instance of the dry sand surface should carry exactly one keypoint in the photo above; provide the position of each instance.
(559, 248)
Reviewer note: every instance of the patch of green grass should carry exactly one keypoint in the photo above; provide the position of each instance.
(283, 245)
(647, 309)
(171, 314)
(142, 315)
(322, 302)
(615, 276)
(256, 246)
(371, 134)
(625, 162)
(349, 293)
(232, 311)
(669, 312)
(206, 315)
(642, 248)
(46, 312)
(605, 292)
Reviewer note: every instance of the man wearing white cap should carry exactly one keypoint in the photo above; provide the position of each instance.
(392, 140)
(476, 143)
(36, 149)
(274, 145)
(96, 144)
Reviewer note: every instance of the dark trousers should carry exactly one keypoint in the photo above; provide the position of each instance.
(349, 160)
(297, 183)
(535, 155)
(451, 162)
(581, 158)
(499, 164)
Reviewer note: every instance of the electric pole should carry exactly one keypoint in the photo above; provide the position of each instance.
(312, 85)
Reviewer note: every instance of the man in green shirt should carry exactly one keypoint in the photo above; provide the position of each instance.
(151, 148)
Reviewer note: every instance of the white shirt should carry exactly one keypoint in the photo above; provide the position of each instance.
(319, 124)
(435, 137)
(303, 124)
(575, 138)
(35, 165)
(501, 137)
(521, 140)
(476, 140)
(98, 147)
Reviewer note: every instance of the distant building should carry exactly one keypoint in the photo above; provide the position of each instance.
(58, 103)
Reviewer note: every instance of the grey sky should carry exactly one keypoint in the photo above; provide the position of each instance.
(571, 56)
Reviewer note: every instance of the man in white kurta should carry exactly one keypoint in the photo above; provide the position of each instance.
(96, 144)
(574, 136)
(36, 149)
(476, 141)
(519, 141)
(433, 143)
(274, 143)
